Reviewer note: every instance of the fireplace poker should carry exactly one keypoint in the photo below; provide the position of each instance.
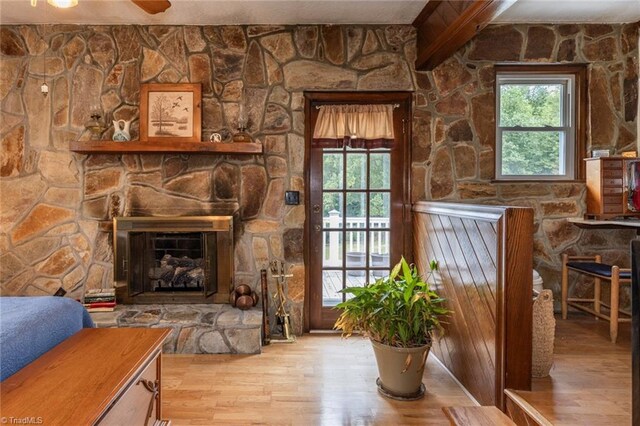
(278, 273)
(280, 300)
(266, 331)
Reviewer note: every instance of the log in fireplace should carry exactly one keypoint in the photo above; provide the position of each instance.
(173, 259)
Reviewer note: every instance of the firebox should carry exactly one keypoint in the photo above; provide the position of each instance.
(173, 259)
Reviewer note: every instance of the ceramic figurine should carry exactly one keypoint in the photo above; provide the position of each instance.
(121, 132)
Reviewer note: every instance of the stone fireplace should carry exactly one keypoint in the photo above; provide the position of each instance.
(177, 272)
(161, 260)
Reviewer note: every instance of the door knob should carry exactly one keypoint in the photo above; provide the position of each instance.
(316, 208)
(318, 228)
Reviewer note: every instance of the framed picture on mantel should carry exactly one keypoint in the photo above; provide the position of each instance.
(171, 112)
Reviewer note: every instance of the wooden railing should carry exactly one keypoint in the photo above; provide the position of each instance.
(485, 273)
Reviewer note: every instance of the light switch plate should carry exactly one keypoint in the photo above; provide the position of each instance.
(292, 198)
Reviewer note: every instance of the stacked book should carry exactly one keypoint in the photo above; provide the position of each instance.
(100, 300)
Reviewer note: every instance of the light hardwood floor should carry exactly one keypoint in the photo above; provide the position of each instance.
(590, 383)
(319, 380)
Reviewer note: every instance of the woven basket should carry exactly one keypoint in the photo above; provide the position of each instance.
(544, 329)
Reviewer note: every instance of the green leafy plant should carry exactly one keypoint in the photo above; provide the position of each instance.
(399, 310)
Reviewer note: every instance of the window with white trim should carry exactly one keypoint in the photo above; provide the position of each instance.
(535, 126)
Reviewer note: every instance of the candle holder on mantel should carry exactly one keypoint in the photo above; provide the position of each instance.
(242, 135)
(96, 125)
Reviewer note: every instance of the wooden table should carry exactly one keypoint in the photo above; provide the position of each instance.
(106, 376)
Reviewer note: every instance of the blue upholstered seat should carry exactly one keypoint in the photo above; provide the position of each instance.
(601, 269)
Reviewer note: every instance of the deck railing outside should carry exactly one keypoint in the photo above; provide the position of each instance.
(356, 242)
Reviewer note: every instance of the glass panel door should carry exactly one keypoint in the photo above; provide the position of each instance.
(356, 223)
(356, 231)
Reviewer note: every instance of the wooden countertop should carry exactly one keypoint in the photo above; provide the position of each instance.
(77, 380)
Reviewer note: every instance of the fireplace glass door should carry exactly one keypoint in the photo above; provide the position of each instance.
(185, 259)
(172, 262)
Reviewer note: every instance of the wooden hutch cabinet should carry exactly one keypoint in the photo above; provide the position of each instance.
(608, 182)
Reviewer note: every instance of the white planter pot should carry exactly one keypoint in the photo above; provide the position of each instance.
(401, 370)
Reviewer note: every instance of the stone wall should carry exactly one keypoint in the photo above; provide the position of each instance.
(454, 129)
(53, 200)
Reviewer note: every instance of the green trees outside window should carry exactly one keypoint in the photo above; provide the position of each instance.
(356, 179)
(534, 127)
(531, 152)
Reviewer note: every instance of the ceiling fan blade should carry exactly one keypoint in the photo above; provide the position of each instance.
(152, 6)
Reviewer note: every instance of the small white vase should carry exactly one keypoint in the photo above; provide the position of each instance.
(121, 130)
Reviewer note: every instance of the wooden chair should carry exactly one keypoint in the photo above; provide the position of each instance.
(592, 266)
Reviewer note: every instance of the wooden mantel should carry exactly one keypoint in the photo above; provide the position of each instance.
(144, 147)
(445, 26)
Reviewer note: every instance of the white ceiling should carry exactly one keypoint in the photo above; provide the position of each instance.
(576, 11)
(228, 12)
(218, 12)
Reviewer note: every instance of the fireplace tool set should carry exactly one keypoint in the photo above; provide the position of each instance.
(283, 318)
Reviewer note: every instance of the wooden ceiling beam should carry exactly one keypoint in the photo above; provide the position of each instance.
(444, 26)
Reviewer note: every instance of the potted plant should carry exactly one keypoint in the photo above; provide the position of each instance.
(400, 314)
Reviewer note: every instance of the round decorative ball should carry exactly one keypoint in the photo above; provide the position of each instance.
(244, 302)
(243, 290)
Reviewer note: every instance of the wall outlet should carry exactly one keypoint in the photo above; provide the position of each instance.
(292, 198)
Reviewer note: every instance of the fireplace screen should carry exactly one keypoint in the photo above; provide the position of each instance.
(173, 260)
(178, 261)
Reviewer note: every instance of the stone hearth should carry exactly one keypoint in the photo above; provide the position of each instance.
(197, 328)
